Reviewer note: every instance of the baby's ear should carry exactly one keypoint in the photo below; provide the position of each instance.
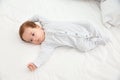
(38, 23)
(38, 26)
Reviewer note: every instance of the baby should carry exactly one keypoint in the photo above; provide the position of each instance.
(51, 35)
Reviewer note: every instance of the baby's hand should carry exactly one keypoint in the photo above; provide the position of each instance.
(32, 66)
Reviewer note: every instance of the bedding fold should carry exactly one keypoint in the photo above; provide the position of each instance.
(110, 10)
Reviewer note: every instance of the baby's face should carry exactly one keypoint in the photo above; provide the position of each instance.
(33, 35)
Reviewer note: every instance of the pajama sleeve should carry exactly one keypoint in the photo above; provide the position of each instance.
(44, 55)
(39, 19)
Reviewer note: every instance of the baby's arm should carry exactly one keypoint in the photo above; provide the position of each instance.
(45, 54)
(39, 19)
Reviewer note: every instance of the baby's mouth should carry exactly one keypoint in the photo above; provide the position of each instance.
(38, 40)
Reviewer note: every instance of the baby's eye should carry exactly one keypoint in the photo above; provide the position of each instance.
(31, 40)
(33, 34)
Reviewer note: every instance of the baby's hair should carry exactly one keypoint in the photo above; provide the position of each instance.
(27, 24)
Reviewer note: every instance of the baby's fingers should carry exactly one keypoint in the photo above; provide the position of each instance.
(31, 67)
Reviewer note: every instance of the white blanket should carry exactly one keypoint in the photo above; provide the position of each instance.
(102, 63)
(110, 10)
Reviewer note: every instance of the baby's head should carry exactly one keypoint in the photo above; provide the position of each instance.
(31, 32)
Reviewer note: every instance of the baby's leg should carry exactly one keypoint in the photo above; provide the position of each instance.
(99, 41)
(85, 44)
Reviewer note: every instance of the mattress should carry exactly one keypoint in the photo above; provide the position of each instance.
(102, 63)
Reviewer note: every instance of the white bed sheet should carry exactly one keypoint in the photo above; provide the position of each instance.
(103, 63)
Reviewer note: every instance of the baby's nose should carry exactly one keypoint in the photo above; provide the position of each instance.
(35, 39)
